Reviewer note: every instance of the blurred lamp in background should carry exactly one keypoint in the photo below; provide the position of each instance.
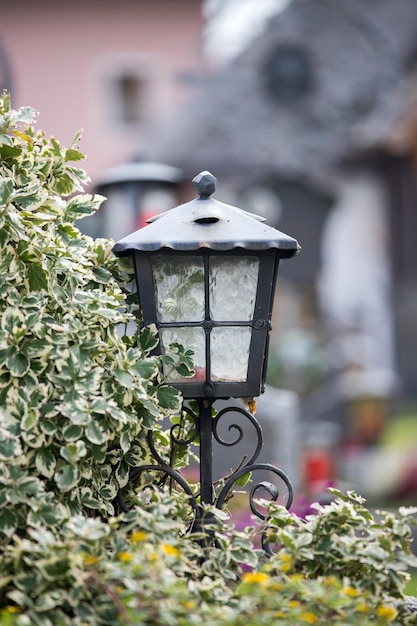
(135, 192)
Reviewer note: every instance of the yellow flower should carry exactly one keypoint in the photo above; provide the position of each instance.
(255, 578)
(189, 604)
(363, 608)
(310, 618)
(14, 609)
(387, 611)
(138, 536)
(294, 604)
(169, 549)
(125, 556)
(296, 578)
(286, 562)
(90, 559)
(350, 591)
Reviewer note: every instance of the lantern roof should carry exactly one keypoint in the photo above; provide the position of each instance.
(206, 223)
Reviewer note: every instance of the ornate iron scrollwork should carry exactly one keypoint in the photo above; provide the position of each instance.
(205, 427)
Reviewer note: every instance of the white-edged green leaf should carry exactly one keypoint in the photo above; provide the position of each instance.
(169, 398)
(94, 433)
(18, 364)
(29, 420)
(81, 206)
(74, 451)
(8, 522)
(124, 378)
(10, 446)
(72, 432)
(37, 277)
(148, 338)
(125, 442)
(89, 501)
(122, 473)
(45, 462)
(71, 154)
(67, 477)
(87, 528)
(145, 368)
(33, 438)
(12, 320)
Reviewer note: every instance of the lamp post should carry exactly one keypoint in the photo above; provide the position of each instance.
(206, 275)
(134, 191)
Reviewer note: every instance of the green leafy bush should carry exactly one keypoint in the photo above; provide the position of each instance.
(133, 570)
(345, 539)
(75, 396)
(141, 569)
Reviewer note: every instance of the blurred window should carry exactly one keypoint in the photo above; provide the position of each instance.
(129, 91)
(288, 74)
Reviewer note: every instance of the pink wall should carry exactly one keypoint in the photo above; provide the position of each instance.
(62, 56)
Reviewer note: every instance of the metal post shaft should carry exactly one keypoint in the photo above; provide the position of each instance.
(206, 451)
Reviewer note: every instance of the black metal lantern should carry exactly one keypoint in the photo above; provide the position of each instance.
(206, 274)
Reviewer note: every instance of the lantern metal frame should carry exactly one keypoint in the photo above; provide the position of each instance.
(208, 229)
(260, 323)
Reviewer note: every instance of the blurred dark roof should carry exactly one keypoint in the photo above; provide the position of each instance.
(360, 55)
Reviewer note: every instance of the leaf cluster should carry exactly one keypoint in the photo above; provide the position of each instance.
(140, 568)
(345, 539)
(76, 396)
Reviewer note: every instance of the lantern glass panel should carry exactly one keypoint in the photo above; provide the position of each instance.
(179, 285)
(206, 303)
(229, 349)
(194, 339)
(233, 283)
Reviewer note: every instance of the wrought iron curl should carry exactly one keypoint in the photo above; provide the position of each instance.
(206, 426)
(286, 493)
(185, 441)
(252, 419)
(272, 489)
(178, 440)
(249, 465)
(166, 471)
(165, 467)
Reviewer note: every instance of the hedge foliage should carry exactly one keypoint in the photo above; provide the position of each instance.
(76, 396)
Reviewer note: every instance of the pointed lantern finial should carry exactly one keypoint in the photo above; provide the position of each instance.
(205, 184)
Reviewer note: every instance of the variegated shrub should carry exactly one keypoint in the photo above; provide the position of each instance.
(75, 395)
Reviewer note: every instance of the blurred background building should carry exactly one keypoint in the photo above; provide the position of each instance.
(306, 111)
(113, 69)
